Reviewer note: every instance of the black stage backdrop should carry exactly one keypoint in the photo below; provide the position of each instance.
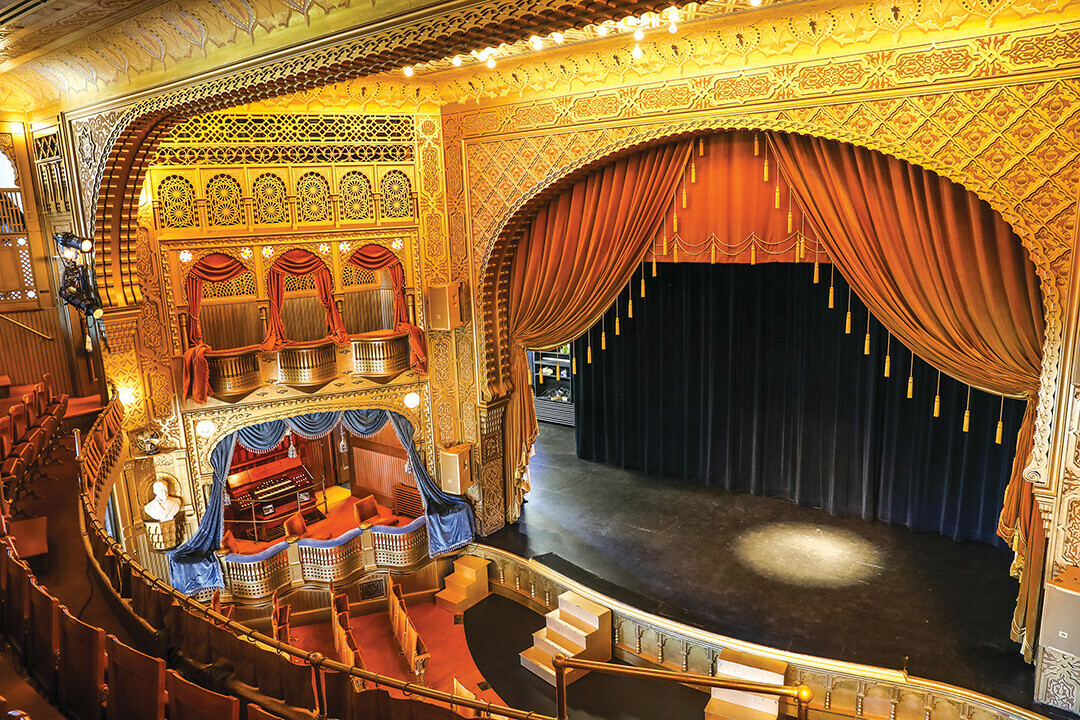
(740, 376)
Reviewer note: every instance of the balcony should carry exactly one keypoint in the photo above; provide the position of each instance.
(233, 373)
(309, 365)
(380, 355)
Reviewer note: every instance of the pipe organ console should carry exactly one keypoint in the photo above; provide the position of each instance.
(263, 497)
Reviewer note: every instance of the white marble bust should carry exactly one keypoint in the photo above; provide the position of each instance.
(162, 507)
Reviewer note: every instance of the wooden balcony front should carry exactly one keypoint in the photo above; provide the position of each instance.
(308, 366)
(233, 373)
(380, 355)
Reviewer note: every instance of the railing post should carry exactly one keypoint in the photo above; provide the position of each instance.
(559, 663)
(806, 694)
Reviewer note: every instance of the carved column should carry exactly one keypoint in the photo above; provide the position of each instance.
(491, 509)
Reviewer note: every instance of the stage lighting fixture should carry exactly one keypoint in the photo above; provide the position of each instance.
(82, 301)
(73, 241)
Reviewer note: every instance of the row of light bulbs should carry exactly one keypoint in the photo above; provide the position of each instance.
(487, 55)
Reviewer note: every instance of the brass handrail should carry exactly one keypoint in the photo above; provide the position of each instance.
(25, 327)
(802, 694)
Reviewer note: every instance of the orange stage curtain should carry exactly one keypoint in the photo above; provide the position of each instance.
(578, 253)
(945, 273)
(376, 257)
(215, 267)
(300, 262)
(724, 212)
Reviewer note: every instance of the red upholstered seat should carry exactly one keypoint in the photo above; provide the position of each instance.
(295, 525)
(188, 701)
(369, 511)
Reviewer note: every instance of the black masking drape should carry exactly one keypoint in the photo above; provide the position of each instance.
(740, 376)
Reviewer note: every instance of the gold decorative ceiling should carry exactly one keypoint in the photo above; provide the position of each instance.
(62, 54)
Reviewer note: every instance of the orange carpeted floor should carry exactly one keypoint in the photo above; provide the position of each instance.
(450, 656)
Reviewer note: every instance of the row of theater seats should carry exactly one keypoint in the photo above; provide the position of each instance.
(87, 674)
(29, 432)
(5, 712)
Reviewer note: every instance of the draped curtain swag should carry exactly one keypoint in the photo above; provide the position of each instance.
(300, 262)
(193, 567)
(376, 257)
(945, 273)
(578, 253)
(215, 267)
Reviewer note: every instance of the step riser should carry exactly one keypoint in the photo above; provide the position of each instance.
(547, 672)
(587, 611)
(553, 645)
(569, 632)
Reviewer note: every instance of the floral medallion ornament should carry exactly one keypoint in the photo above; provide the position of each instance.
(313, 198)
(177, 199)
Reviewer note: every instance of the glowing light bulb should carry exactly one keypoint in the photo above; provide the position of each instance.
(456, 61)
(185, 256)
(490, 62)
(636, 52)
(126, 395)
(205, 428)
(601, 30)
(639, 34)
(411, 400)
(536, 42)
(673, 14)
(557, 37)
(673, 28)
(408, 71)
(755, 3)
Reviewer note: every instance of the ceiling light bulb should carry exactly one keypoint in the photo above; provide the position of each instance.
(456, 61)
(636, 52)
(205, 428)
(537, 43)
(126, 395)
(411, 400)
(639, 34)
(601, 29)
(755, 3)
(557, 37)
(673, 28)
(408, 71)
(490, 62)
(673, 14)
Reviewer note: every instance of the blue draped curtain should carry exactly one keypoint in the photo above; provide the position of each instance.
(192, 566)
(449, 518)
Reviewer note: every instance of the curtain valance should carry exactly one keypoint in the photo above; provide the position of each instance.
(376, 257)
(193, 566)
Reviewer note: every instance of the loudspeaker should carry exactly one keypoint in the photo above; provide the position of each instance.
(454, 467)
(1061, 613)
(444, 306)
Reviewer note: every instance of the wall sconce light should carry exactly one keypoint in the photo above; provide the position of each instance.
(126, 394)
(411, 400)
(205, 428)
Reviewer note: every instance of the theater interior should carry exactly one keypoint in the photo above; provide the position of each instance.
(539, 360)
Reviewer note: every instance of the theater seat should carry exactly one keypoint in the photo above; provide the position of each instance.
(370, 512)
(296, 526)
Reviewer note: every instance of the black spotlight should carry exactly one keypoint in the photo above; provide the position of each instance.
(77, 290)
(73, 241)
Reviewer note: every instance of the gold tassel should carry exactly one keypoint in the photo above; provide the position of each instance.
(1000, 426)
(832, 296)
(866, 344)
(653, 274)
(776, 198)
(541, 375)
(663, 246)
(589, 355)
(629, 305)
(683, 195)
(817, 272)
(675, 252)
(766, 169)
(573, 365)
(790, 222)
(802, 246)
(937, 396)
(712, 254)
(701, 146)
(675, 223)
(693, 170)
(910, 386)
(642, 284)
(753, 254)
(888, 354)
(756, 150)
(616, 326)
(832, 278)
(847, 320)
(967, 410)
(603, 339)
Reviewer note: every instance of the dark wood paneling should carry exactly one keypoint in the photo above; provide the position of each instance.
(25, 357)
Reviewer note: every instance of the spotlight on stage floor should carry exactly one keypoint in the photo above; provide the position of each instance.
(808, 555)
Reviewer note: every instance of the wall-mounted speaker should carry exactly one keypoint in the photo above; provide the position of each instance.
(444, 306)
(1061, 612)
(455, 468)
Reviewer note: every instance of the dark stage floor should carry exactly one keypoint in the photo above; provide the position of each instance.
(770, 572)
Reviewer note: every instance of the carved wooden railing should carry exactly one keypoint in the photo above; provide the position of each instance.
(163, 611)
(308, 366)
(381, 355)
(233, 373)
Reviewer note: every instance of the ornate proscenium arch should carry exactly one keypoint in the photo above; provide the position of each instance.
(500, 244)
(449, 29)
